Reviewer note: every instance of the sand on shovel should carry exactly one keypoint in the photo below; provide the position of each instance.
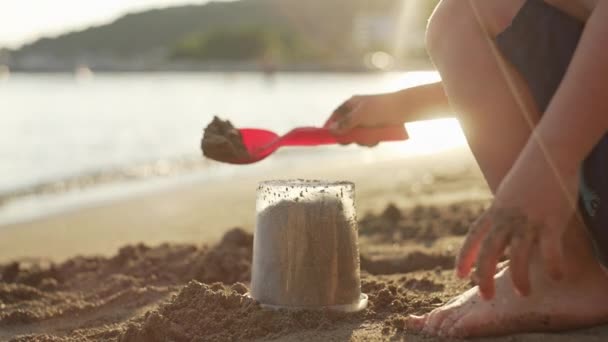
(305, 247)
(222, 142)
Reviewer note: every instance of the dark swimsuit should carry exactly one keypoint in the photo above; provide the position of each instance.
(540, 43)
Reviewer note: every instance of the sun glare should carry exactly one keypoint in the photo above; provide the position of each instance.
(434, 136)
(429, 136)
(426, 137)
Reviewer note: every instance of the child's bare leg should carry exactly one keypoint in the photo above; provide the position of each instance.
(487, 109)
(490, 111)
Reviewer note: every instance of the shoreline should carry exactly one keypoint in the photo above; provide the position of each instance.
(121, 174)
(120, 181)
(81, 190)
(410, 65)
(201, 211)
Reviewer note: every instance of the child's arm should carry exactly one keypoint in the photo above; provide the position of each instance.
(578, 115)
(423, 102)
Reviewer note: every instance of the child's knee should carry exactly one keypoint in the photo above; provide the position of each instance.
(455, 22)
(445, 28)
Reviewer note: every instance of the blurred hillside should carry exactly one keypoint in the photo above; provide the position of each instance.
(246, 34)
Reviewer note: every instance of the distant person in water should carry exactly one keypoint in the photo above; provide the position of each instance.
(528, 80)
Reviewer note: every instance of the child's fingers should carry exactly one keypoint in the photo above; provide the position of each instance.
(491, 250)
(470, 248)
(333, 118)
(329, 121)
(520, 251)
(369, 143)
(348, 121)
(344, 109)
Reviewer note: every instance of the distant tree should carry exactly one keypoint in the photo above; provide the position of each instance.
(244, 44)
(320, 31)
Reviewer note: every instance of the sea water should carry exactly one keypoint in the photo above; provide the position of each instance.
(60, 133)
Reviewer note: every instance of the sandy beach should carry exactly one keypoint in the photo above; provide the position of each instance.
(203, 170)
(174, 265)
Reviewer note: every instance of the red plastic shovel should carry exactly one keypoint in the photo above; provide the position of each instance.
(261, 143)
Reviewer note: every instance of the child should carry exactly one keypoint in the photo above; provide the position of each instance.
(529, 82)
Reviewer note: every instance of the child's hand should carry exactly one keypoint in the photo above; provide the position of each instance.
(366, 111)
(423, 102)
(532, 209)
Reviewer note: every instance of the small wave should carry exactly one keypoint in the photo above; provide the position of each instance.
(155, 169)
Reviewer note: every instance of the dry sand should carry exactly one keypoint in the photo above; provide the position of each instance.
(195, 291)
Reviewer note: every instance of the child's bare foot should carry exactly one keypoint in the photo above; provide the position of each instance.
(575, 302)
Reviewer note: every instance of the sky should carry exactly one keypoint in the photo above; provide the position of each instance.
(23, 21)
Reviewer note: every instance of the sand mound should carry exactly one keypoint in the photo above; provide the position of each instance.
(32, 292)
(423, 224)
(186, 293)
(218, 312)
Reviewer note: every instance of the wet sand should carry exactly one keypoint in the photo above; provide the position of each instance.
(192, 288)
(201, 212)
